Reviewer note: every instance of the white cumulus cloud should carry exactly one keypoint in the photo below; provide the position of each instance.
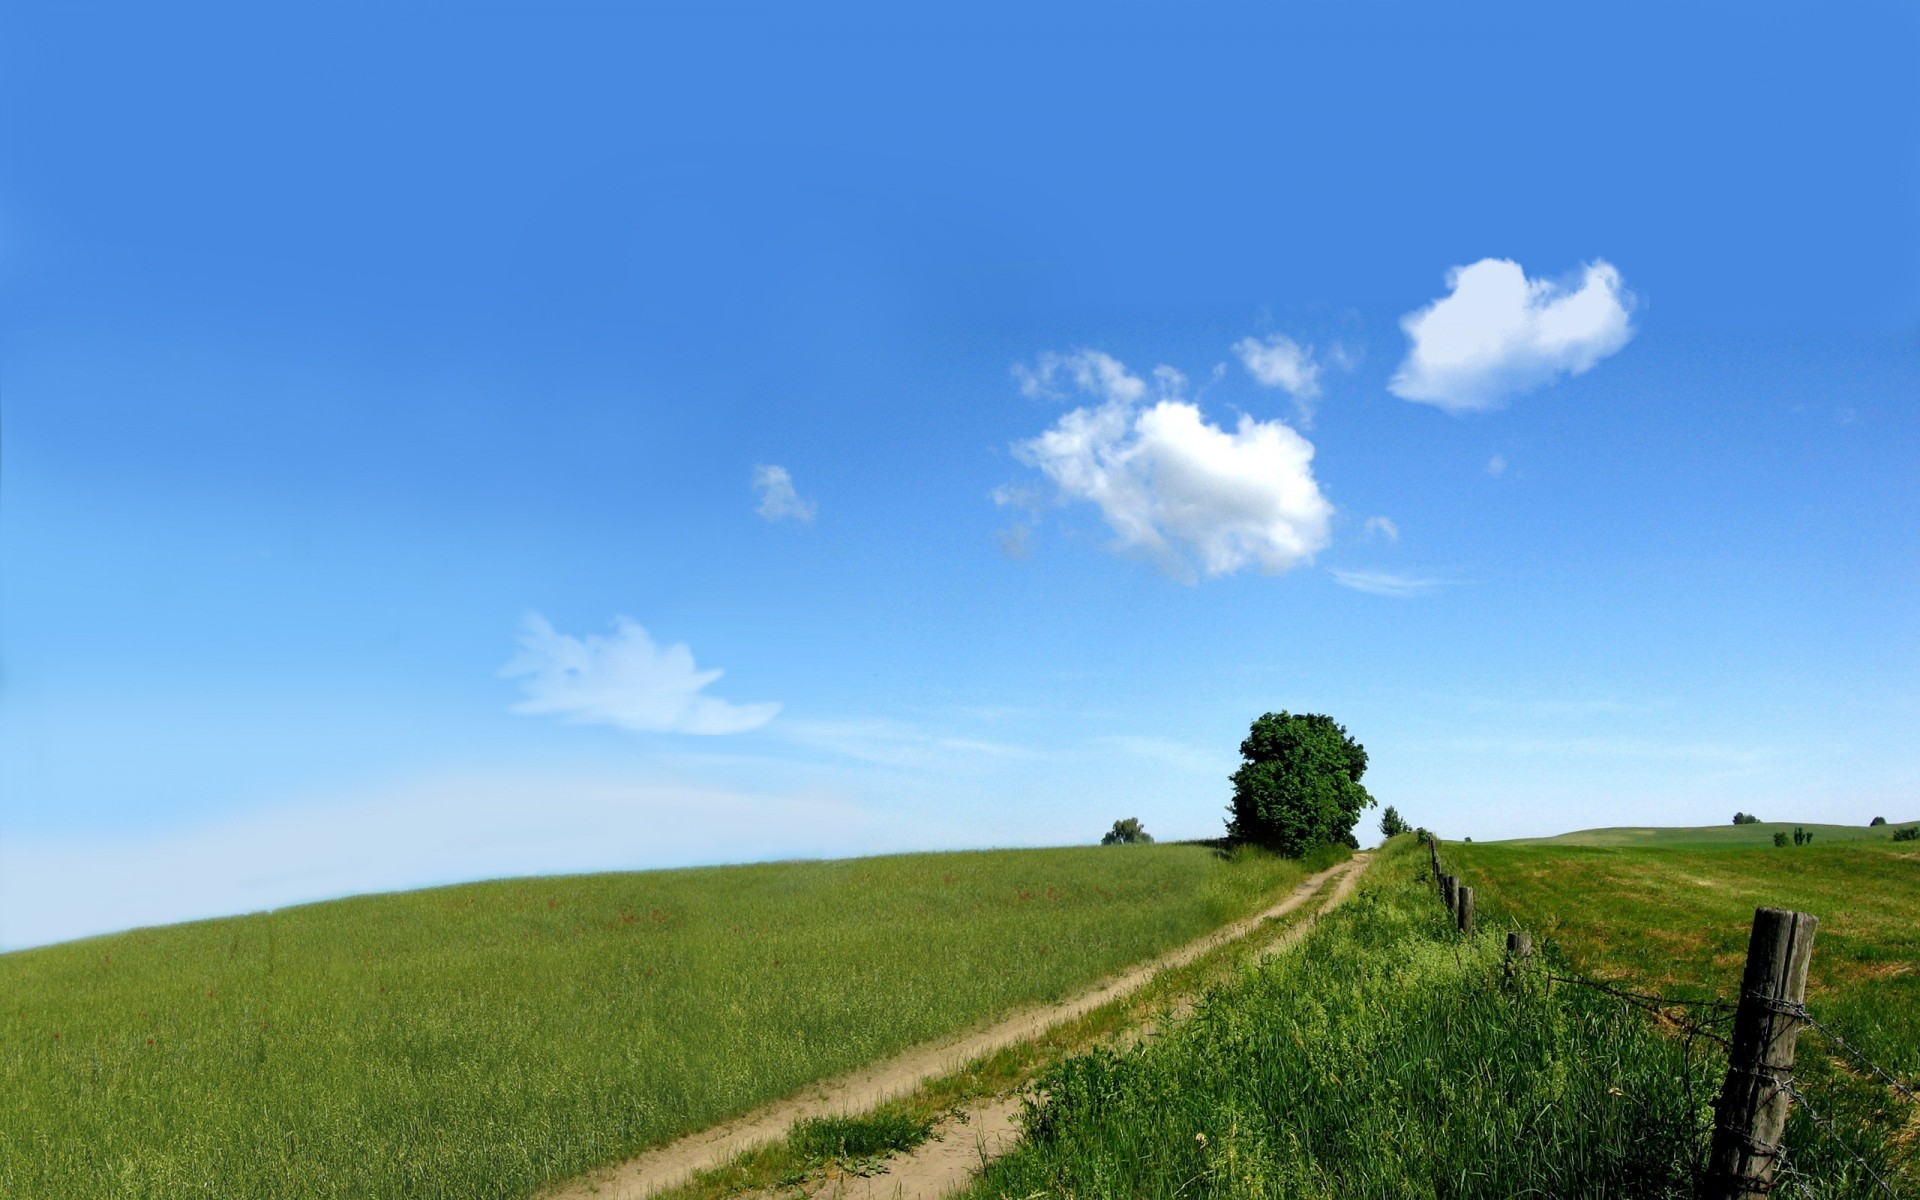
(623, 679)
(1192, 496)
(1497, 333)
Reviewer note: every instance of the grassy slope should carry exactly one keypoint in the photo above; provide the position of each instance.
(1676, 919)
(486, 1039)
(1380, 1057)
(1708, 837)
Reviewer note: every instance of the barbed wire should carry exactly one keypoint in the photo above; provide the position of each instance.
(1825, 1126)
(1849, 1047)
(1791, 1175)
(1660, 1006)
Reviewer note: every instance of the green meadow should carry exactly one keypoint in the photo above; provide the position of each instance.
(1671, 913)
(490, 1039)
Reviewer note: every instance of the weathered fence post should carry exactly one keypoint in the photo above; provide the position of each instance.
(1463, 909)
(1519, 950)
(1449, 891)
(1751, 1112)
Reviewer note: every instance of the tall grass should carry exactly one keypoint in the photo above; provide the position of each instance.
(485, 1040)
(1380, 1057)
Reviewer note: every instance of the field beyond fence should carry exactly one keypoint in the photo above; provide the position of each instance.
(1672, 917)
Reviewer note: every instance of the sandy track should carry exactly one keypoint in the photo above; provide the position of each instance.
(677, 1162)
(981, 1132)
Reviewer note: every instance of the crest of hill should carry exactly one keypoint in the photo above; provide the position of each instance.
(1713, 837)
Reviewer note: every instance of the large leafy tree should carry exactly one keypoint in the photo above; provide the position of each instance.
(1298, 786)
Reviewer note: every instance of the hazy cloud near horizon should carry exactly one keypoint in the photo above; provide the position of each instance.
(449, 830)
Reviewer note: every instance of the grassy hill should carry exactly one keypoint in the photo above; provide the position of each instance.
(484, 1040)
(1706, 837)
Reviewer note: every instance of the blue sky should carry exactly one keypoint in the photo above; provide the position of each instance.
(405, 414)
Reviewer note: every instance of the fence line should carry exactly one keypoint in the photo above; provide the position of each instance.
(1766, 1022)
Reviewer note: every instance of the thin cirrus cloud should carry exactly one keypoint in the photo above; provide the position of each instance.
(1194, 498)
(1498, 333)
(1383, 583)
(778, 499)
(623, 679)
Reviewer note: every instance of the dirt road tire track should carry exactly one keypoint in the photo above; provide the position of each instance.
(678, 1161)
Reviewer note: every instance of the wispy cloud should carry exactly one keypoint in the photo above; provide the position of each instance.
(889, 742)
(625, 680)
(1016, 542)
(1497, 333)
(1383, 527)
(778, 500)
(1182, 755)
(1497, 465)
(1191, 496)
(1384, 583)
(1277, 361)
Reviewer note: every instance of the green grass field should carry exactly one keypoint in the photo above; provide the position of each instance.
(1381, 1057)
(486, 1040)
(1713, 837)
(1671, 914)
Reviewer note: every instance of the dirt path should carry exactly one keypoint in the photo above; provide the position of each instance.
(677, 1162)
(962, 1146)
(944, 1163)
(977, 1134)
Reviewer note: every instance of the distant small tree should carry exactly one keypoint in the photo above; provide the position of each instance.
(1876, 821)
(1298, 786)
(1780, 839)
(1910, 834)
(1129, 832)
(1423, 835)
(1391, 824)
(1741, 818)
(1799, 836)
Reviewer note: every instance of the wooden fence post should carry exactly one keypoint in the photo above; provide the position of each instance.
(1519, 950)
(1463, 910)
(1751, 1112)
(1449, 890)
